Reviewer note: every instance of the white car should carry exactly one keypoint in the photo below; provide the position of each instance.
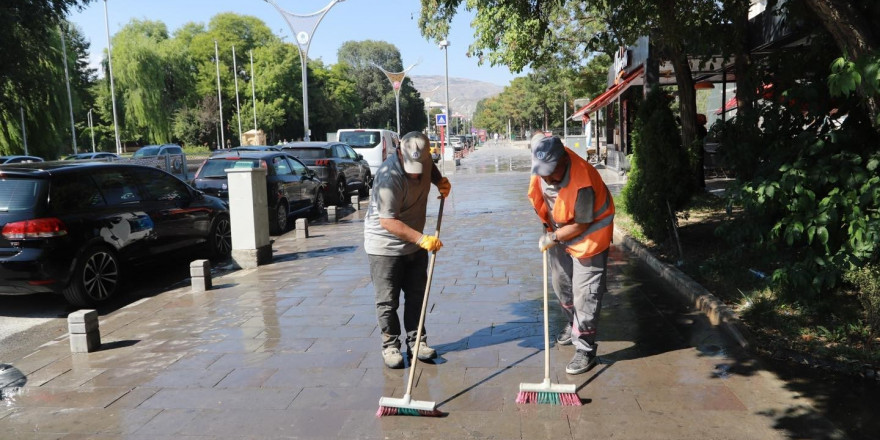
(373, 144)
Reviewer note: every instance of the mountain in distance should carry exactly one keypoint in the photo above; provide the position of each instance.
(465, 92)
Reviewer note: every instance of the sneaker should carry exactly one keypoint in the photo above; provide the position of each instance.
(425, 353)
(392, 357)
(564, 336)
(581, 362)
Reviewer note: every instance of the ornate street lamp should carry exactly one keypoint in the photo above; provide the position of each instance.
(396, 79)
(303, 28)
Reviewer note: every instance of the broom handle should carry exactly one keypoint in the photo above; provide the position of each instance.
(546, 325)
(412, 370)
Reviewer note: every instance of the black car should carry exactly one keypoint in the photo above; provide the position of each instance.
(342, 169)
(247, 148)
(291, 188)
(74, 227)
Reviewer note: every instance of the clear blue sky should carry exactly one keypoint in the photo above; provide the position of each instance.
(393, 21)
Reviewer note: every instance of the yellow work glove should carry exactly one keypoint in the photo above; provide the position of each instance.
(547, 241)
(444, 187)
(430, 243)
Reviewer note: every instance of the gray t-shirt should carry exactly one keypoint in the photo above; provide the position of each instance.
(397, 196)
(583, 206)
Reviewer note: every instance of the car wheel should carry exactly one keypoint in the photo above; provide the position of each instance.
(220, 238)
(96, 278)
(278, 221)
(340, 193)
(364, 191)
(319, 205)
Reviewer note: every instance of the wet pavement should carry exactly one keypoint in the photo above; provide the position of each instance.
(291, 349)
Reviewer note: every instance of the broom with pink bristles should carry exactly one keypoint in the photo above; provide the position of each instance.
(546, 392)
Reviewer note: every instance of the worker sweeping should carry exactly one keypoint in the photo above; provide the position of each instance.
(577, 212)
(395, 245)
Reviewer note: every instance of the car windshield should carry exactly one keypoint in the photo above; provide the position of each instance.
(361, 139)
(146, 151)
(216, 168)
(19, 194)
(309, 153)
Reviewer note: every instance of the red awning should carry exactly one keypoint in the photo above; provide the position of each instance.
(731, 104)
(609, 95)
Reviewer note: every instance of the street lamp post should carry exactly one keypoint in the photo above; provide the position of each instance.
(445, 46)
(306, 25)
(67, 79)
(112, 89)
(396, 79)
(237, 104)
(219, 97)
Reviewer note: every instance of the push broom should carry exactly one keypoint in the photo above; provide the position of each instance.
(546, 392)
(406, 406)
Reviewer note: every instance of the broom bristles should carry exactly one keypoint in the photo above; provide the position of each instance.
(548, 398)
(394, 411)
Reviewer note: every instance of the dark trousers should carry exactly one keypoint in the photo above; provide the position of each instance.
(391, 275)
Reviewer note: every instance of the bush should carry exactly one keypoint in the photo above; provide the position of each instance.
(867, 282)
(660, 175)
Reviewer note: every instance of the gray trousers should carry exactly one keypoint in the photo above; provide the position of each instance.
(391, 275)
(579, 284)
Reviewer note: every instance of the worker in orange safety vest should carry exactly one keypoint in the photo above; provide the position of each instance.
(577, 212)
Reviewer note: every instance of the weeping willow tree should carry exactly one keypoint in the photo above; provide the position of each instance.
(151, 80)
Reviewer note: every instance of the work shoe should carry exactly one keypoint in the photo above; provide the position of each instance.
(581, 362)
(564, 336)
(425, 353)
(392, 357)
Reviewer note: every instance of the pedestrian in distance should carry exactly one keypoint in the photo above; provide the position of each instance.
(577, 213)
(397, 248)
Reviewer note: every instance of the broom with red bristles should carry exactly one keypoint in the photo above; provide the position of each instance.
(546, 392)
(406, 406)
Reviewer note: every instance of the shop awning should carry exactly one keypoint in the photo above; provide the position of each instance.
(609, 95)
(730, 105)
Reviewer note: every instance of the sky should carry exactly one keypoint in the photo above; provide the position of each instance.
(393, 21)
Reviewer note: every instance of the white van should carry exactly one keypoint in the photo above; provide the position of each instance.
(374, 144)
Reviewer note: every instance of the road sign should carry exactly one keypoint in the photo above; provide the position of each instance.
(441, 119)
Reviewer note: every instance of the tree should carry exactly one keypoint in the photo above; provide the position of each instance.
(375, 91)
(27, 28)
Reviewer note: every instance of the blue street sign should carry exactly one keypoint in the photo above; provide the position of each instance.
(441, 119)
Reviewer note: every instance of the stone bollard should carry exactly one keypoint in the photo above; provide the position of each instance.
(331, 214)
(85, 337)
(302, 228)
(200, 272)
(356, 202)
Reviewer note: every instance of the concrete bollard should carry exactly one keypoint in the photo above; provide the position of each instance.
(85, 336)
(302, 228)
(200, 272)
(356, 202)
(331, 214)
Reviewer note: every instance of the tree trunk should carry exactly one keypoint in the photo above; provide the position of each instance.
(853, 35)
(687, 98)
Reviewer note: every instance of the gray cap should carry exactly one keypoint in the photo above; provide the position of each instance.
(415, 150)
(546, 152)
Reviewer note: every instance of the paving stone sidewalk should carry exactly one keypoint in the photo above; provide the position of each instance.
(291, 349)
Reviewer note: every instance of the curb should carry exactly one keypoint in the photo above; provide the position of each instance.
(688, 289)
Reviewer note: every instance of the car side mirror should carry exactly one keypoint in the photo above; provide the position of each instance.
(360, 156)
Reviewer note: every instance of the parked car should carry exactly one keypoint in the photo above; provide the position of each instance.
(75, 228)
(248, 148)
(456, 143)
(4, 160)
(374, 144)
(168, 157)
(291, 188)
(102, 155)
(342, 170)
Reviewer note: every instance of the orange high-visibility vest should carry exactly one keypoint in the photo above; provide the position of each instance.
(598, 235)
